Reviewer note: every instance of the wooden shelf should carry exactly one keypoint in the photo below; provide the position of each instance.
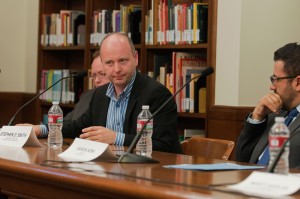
(192, 115)
(187, 46)
(62, 48)
(80, 57)
(62, 105)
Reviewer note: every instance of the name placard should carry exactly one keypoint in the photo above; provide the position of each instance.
(86, 150)
(18, 136)
(269, 185)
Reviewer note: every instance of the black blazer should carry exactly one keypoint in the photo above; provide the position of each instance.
(145, 91)
(81, 106)
(254, 139)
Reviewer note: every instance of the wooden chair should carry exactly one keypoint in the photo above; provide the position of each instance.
(207, 147)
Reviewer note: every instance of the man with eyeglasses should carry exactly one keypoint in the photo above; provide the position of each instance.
(98, 79)
(285, 98)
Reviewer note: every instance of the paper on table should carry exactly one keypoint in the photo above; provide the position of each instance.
(86, 150)
(268, 185)
(18, 136)
(213, 167)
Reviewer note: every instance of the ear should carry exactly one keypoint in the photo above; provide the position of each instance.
(136, 57)
(298, 83)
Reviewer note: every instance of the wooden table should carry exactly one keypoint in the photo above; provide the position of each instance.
(22, 175)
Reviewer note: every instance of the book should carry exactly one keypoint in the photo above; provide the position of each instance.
(200, 21)
(202, 100)
(200, 83)
(46, 26)
(135, 18)
(57, 88)
(65, 86)
(78, 26)
(181, 60)
(159, 61)
(162, 75)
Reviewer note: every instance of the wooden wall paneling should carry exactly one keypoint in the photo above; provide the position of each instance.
(225, 122)
(11, 102)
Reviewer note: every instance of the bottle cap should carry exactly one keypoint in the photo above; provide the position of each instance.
(145, 107)
(55, 102)
(279, 119)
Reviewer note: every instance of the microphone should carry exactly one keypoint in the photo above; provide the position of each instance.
(272, 166)
(128, 156)
(79, 75)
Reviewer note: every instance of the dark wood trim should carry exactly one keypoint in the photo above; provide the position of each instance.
(9, 104)
(226, 122)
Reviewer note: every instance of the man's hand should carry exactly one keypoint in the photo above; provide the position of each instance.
(99, 133)
(269, 103)
(36, 128)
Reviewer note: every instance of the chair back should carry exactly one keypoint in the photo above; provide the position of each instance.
(207, 147)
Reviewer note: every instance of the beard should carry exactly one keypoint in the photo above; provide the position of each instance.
(287, 98)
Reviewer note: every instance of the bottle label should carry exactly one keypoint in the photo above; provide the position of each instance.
(55, 118)
(141, 122)
(277, 141)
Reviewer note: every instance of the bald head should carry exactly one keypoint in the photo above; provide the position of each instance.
(119, 59)
(117, 36)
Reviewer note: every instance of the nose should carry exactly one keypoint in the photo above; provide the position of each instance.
(97, 81)
(117, 67)
(272, 87)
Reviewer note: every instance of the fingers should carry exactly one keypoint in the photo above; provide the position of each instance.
(92, 128)
(24, 124)
(98, 133)
(273, 102)
(91, 131)
(269, 103)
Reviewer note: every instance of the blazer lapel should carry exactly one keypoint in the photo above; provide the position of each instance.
(132, 101)
(100, 108)
(294, 125)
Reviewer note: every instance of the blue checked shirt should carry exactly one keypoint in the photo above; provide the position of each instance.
(117, 110)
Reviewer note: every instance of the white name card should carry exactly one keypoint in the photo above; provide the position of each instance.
(269, 185)
(18, 136)
(86, 150)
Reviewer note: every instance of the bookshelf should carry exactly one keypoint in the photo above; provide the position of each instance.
(78, 56)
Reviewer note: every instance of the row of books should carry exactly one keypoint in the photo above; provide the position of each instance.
(66, 91)
(165, 24)
(176, 24)
(126, 20)
(175, 70)
(66, 28)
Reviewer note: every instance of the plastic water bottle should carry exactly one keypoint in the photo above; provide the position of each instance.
(55, 123)
(278, 135)
(144, 145)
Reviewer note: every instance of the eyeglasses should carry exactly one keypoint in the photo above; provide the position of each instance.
(274, 78)
(98, 75)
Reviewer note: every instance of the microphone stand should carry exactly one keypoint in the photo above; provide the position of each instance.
(128, 156)
(82, 74)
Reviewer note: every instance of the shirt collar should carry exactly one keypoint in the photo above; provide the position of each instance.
(125, 93)
(298, 108)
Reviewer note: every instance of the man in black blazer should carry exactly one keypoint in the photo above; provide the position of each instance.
(285, 97)
(128, 91)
